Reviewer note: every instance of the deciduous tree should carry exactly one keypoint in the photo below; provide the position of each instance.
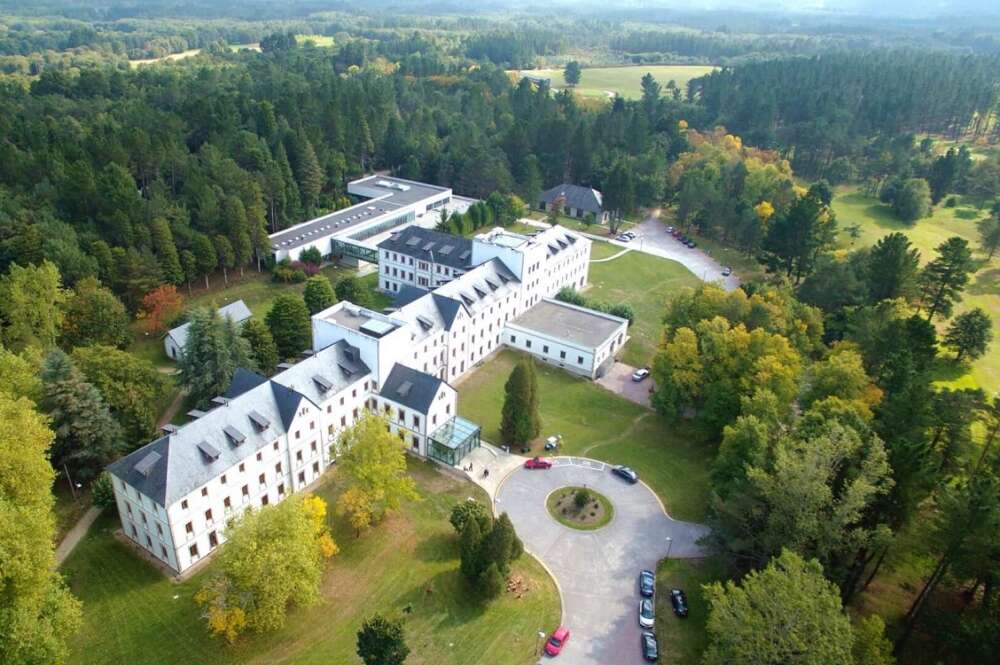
(273, 559)
(94, 315)
(31, 302)
(160, 307)
(38, 614)
(318, 294)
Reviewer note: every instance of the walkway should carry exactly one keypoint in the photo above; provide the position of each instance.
(596, 571)
(76, 534)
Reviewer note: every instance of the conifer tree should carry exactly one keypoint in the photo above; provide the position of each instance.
(318, 294)
(212, 353)
(944, 278)
(86, 435)
(263, 350)
(290, 326)
(519, 422)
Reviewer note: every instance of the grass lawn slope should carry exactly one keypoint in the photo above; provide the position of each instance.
(673, 459)
(874, 220)
(132, 614)
(599, 81)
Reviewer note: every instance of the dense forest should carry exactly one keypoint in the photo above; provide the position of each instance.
(814, 384)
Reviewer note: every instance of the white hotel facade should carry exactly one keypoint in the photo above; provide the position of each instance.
(269, 437)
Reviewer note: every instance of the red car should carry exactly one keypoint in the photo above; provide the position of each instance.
(557, 641)
(538, 463)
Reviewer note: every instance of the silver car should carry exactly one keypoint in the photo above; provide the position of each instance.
(646, 616)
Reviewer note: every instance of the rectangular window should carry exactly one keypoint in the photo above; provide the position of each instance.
(223, 479)
(261, 479)
(312, 424)
(204, 491)
(302, 476)
(343, 421)
(312, 446)
(562, 354)
(245, 490)
(281, 489)
(579, 360)
(264, 500)
(159, 529)
(184, 504)
(260, 456)
(193, 551)
(528, 344)
(213, 540)
(315, 467)
(416, 421)
(208, 515)
(277, 468)
(243, 467)
(163, 551)
(189, 527)
(227, 503)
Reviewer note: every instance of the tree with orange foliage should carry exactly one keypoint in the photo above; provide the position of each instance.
(159, 307)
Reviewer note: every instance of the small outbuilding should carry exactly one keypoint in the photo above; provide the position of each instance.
(575, 201)
(176, 338)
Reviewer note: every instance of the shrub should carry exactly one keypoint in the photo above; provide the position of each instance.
(581, 498)
(466, 510)
(950, 202)
(103, 491)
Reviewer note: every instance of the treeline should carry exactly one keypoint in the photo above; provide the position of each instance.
(665, 45)
(170, 174)
(825, 107)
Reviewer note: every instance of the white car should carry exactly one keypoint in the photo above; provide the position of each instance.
(623, 238)
(640, 374)
(646, 616)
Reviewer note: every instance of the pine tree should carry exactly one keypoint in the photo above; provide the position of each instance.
(970, 334)
(472, 538)
(263, 350)
(491, 582)
(308, 172)
(212, 353)
(87, 437)
(166, 251)
(944, 278)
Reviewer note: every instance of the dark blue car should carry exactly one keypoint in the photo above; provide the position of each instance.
(650, 650)
(647, 583)
(626, 474)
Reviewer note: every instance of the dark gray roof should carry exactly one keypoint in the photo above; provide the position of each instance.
(429, 245)
(237, 311)
(575, 196)
(407, 294)
(243, 380)
(255, 412)
(448, 307)
(410, 388)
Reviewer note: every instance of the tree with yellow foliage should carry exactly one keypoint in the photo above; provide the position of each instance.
(273, 559)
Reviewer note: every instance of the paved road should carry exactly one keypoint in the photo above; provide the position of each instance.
(596, 570)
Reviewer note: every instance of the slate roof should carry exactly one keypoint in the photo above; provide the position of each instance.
(408, 294)
(410, 388)
(429, 245)
(237, 311)
(576, 196)
(182, 464)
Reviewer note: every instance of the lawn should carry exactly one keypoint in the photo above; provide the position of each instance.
(646, 283)
(673, 459)
(685, 640)
(625, 81)
(874, 220)
(132, 614)
(257, 290)
(324, 41)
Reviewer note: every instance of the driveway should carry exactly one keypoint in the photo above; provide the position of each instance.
(596, 571)
(652, 238)
(619, 381)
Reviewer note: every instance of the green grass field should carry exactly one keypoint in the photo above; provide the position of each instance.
(646, 283)
(323, 41)
(599, 81)
(132, 614)
(684, 640)
(673, 459)
(874, 220)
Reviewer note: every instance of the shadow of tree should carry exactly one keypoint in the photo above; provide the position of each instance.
(987, 282)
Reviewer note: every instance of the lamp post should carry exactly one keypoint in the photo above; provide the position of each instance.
(538, 643)
(670, 544)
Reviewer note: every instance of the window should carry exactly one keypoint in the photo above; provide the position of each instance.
(298, 456)
(204, 491)
(416, 420)
(354, 393)
(302, 476)
(213, 540)
(159, 529)
(579, 360)
(312, 424)
(243, 467)
(312, 446)
(189, 527)
(184, 505)
(208, 515)
(128, 506)
(329, 408)
(245, 490)
(193, 551)
(264, 500)
(562, 355)
(260, 457)
(223, 479)
(144, 520)
(261, 479)
(355, 412)
(315, 467)
(149, 543)
(298, 435)
(163, 551)
(401, 416)
(528, 343)
(276, 443)
(545, 348)
(447, 408)
(342, 401)
(343, 421)
(226, 503)
(281, 489)
(277, 468)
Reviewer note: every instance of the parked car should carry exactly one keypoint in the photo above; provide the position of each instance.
(626, 474)
(650, 650)
(727, 271)
(630, 234)
(679, 601)
(691, 244)
(538, 463)
(640, 374)
(553, 442)
(557, 641)
(622, 238)
(647, 583)
(646, 613)
(670, 229)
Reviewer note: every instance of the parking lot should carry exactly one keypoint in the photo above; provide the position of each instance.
(597, 570)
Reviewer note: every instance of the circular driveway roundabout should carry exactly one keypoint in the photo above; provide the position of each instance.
(597, 571)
